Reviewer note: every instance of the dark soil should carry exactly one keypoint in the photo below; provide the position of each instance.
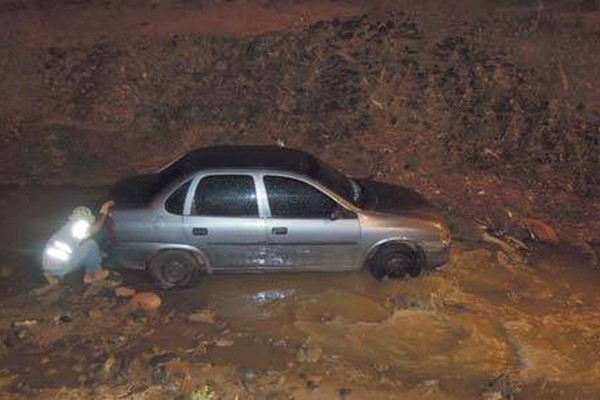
(467, 102)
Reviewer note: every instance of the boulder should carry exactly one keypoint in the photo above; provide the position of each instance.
(123, 291)
(203, 317)
(223, 342)
(542, 231)
(147, 301)
(309, 355)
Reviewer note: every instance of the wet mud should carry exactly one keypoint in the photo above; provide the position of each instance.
(492, 324)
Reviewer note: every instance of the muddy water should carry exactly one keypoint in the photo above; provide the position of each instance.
(473, 321)
(486, 317)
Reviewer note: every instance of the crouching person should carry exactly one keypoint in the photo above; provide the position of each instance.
(73, 247)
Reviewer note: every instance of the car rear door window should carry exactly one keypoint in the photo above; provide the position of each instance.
(225, 196)
(291, 198)
(176, 201)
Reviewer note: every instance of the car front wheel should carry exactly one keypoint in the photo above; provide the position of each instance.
(395, 262)
(174, 268)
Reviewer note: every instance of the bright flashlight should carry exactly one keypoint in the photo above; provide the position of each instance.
(80, 229)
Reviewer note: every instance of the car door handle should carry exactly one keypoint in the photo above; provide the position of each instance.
(279, 230)
(199, 231)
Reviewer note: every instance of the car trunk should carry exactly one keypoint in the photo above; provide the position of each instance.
(135, 192)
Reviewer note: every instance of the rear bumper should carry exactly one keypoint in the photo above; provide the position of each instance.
(436, 254)
(131, 256)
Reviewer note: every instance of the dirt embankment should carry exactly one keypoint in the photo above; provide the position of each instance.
(473, 104)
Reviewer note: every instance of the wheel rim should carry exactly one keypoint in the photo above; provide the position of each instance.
(397, 266)
(414, 271)
(175, 271)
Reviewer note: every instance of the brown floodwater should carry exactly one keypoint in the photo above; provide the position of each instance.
(475, 320)
(485, 316)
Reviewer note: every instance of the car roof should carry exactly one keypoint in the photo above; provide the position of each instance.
(254, 157)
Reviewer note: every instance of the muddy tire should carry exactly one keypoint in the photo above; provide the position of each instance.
(175, 268)
(394, 262)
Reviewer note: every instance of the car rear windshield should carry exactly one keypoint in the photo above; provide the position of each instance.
(332, 179)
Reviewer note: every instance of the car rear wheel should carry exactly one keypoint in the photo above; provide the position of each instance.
(394, 262)
(175, 268)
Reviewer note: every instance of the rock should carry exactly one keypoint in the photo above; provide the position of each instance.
(309, 355)
(65, 318)
(147, 301)
(62, 319)
(541, 231)
(204, 317)
(493, 396)
(160, 374)
(18, 336)
(109, 366)
(249, 376)
(344, 393)
(162, 359)
(25, 323)
(430, 383)
(123, 291)
(107, 284)
(104, 289)
(500, 388)
(224, 342)
(279, 343)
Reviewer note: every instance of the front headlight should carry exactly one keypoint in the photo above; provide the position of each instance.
(445, 235)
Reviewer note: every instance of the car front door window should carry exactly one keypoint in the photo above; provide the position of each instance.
(303, 232)
(291, 198)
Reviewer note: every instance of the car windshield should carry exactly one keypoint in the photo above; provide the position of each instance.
(335, 181)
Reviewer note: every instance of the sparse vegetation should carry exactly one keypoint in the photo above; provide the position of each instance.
(206, 393)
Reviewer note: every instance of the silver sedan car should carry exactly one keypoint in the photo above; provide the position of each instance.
(264, 208)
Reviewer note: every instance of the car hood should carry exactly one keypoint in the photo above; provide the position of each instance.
(136, 191)
(392, 199)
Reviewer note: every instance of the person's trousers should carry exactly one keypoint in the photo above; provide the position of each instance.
(86, 255)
